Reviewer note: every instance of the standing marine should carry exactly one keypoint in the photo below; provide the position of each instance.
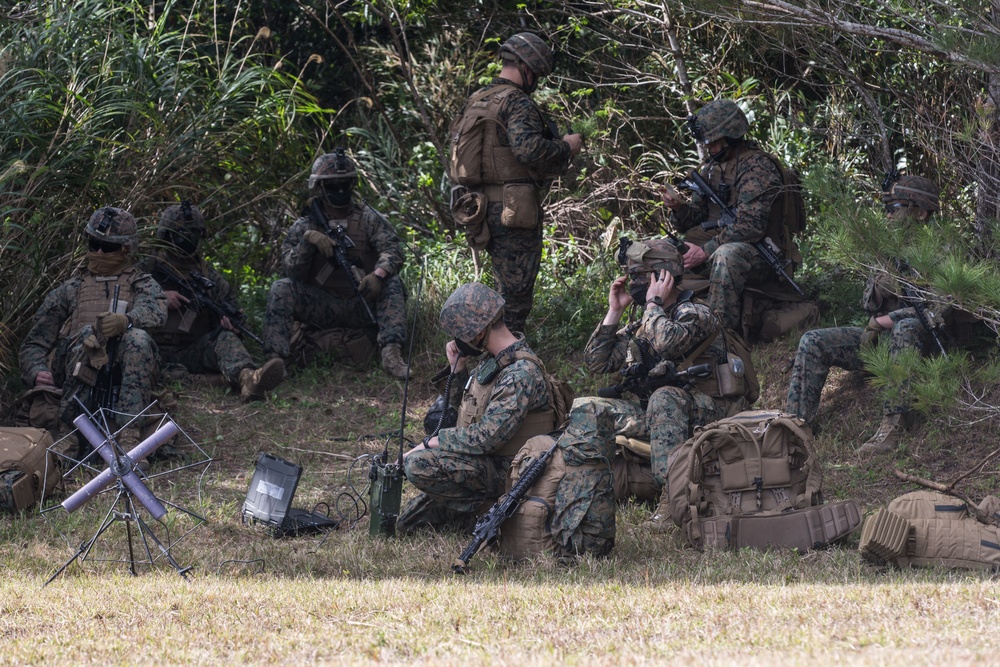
(504, 153)
(318, 290)
(196, 336)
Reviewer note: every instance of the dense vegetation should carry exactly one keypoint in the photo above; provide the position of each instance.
(143, 103)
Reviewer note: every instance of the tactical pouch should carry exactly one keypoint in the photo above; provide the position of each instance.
(884, 537)
(520, 206)
(633, 477)
(731, 377)
(803, 529)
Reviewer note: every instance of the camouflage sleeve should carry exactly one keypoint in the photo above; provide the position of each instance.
(606, 349)
(677, 334)
(45, 327)
(296, 252)
(382, 239)
(758, 181)
(150, 308)
(519, 390)
(531, 141)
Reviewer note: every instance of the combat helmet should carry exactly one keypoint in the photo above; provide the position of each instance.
(336, 166)
(182, 225)
(915, 191)
(718, 119)
(112, 225)
(470, 310)
(532, 50)
(639, 257)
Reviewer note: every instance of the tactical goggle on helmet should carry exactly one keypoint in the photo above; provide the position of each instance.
(716, 120)
(109, 227)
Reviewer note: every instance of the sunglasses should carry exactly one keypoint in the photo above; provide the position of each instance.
(103, 246)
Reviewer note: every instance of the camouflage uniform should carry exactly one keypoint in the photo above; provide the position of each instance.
(205, 347)
(137, 352)
(516, 247)
(467, 471)
(748, 181)
(672, 412)
(820, 349)
(304, 296)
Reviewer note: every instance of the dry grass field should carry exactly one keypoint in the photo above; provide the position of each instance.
(354, 599)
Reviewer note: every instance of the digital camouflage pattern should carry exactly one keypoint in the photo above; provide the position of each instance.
(461, 474)
(718, 119)
(296, 298)
(672, 413)
(748, 181)
(532, 51)
(112, 225)
(217, 351)
(137, 352)
(469, 310)
(517, 252)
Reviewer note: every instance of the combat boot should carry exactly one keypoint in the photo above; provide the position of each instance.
(254, 384)
(887, 437)
(660, 521)
(392, 361)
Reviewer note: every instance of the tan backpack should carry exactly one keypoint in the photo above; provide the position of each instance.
(926, 528)
(751, 480)
(27, 469)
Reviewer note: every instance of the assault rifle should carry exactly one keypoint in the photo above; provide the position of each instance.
(766, 248)
(913, 300)
(108, 386)
(341, 244)
(639, 382)
(197, 291)
(487, 528)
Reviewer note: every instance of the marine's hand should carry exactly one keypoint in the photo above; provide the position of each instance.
(575, 142)
(455, 358)
(44, 378)
(322, 242)
(371, 286)
(695, 256)
(660, 284)
(175, 300)
(112, 324)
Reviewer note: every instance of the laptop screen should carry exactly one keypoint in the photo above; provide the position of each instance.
(271, 489)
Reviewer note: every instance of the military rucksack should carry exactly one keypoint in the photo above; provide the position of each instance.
(27, 468)
(926, 528)
(752, 480)
(570, 510)
(788, 218)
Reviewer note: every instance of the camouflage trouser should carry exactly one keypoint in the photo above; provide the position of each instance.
(290, 301)
(517, 256)
(734, 266)
(218, 352)
(820, 349)
(669, 419)
(138, 357)
(452, 487)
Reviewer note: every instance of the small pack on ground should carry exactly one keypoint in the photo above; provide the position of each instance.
(570, 510)
(632, 471)
(27, 468)
(927, 528)
(751, 481)
(770, 311)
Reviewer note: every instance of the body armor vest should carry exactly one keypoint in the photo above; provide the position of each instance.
(190, 323)
(332, 278)
(498, 162)
(95, 296)
(477, 397)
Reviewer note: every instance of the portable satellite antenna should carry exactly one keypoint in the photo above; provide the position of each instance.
(127, 487)
(269, 500)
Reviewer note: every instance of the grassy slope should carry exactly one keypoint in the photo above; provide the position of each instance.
(353, 598)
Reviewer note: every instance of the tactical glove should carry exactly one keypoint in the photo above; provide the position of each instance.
(112, 324)
(95, 352)
(322, 242)
(869, 337)
(371, 286)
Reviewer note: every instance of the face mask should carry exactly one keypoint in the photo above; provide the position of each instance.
(101, 264)
(338, 195)
(528, 88)
(185, 242)
(637, 290)
(468, 349)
